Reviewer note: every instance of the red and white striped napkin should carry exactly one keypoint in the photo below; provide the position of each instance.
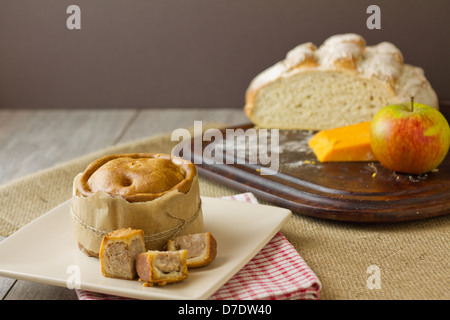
(277, 272)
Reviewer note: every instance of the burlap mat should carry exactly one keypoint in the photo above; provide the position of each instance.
(411, 260)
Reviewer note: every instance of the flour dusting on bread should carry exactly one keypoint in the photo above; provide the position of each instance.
(342, 82)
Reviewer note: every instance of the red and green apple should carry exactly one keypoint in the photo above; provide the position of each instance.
(410, 138)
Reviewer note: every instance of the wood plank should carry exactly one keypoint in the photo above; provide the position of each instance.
(5, 286)
(150, 122)
(38, 139)
(5, 283)
(31, 140)
(25, 290)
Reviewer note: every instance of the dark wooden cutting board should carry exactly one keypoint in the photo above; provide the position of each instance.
(345, 191)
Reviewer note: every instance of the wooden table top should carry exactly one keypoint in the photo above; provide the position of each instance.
(38, 139)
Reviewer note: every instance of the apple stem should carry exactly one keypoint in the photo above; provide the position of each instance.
(412, 104)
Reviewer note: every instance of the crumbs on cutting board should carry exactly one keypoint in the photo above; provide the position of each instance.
(400, 176)
(299, 163)
(290, 144)
(299, 146)
(414, 178)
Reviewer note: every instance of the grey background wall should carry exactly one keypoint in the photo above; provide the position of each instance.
(189, 53)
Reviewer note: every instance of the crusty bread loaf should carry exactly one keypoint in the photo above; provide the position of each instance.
(340, 83)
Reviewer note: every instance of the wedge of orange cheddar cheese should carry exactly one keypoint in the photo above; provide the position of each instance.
(349, 143)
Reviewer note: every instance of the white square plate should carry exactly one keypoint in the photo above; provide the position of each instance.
(43, 251)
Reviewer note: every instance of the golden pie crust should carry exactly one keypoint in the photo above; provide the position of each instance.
(137, 177)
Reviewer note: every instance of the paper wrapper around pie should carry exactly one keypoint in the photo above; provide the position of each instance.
(173, 214)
